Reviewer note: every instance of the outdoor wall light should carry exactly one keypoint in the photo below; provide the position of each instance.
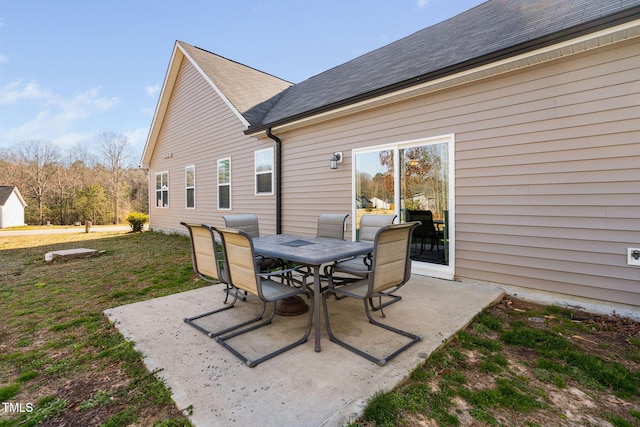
(335, 159)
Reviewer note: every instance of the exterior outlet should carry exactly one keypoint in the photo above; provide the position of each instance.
(633, 256)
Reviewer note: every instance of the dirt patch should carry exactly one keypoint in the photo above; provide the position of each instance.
(570, 399)
(524, 364)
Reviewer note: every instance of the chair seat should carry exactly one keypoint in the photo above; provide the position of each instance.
(273, 291)
(358, 290)
(353, 265)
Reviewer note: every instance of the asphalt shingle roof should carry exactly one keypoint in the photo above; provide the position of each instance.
(5, 192)
(484, 32)
(244, 87)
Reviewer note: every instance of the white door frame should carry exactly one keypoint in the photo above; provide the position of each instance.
(421, 268)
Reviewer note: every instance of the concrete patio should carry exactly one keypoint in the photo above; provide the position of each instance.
(300, 387)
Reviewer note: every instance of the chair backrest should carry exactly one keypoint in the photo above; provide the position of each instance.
(240, 260)
(331, 226)
(425, 217)
(371, 223)
(206, 258)
(245, 222)
(391, 264)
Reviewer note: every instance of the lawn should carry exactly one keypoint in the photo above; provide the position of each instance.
(63, 363)
(523, 364)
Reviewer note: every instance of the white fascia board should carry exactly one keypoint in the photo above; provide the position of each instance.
(161, 106)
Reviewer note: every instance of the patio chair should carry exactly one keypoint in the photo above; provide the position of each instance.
(369, 226)
(331, 226)
(208, 263)
(354, 269)
(391, 268)
(427, 231)
(249, 224)
(245, 222)
(244, 275)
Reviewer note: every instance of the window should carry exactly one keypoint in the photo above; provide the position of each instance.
(264, 171)
(162, 189)
(224, 183)
(190, 186)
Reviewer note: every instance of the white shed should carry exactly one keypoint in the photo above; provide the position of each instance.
(11, 207)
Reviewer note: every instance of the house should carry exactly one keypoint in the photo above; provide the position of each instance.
(518, 121)
(11, 207)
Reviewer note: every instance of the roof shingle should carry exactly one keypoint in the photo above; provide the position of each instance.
(489, 28)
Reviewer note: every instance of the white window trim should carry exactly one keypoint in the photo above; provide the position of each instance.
(156, 189)
(225, 183)
(425, 269)
(255, 167)
(186, 186)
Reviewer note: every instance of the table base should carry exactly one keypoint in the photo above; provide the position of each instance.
(292, 306)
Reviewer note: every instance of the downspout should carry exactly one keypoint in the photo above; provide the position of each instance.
(278, 181)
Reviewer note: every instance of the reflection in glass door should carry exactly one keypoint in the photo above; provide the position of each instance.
(411, 180)
(424, 188)
(375, 184)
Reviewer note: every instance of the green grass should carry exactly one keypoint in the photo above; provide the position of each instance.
(445, 376)
(57, 333)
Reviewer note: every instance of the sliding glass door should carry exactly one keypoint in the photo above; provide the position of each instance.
(412, 180)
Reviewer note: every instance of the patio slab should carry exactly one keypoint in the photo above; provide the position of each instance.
(300, 387)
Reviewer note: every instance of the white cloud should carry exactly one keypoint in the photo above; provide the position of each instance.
(153, 90)
(18, 90)
(137, 139)
(83, 104)
(33, 112)
(423, 3)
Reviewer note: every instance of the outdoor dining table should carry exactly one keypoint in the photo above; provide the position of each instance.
(312, 252)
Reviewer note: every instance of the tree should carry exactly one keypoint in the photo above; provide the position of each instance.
(91, 203)
(115, 156)
(38, 162)
(8, 168)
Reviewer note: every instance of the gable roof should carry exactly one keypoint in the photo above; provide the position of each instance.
(486, 33)
(5, 193)
(256, 86)
(494, 37)
(241, 87)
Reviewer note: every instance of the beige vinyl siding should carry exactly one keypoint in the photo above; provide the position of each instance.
(547, 165)
(548, 197)
(198, 129)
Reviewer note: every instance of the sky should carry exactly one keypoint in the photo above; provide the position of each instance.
(73, 69)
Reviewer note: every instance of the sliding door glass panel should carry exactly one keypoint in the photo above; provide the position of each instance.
(424, 196)
(410, 180)
(374, 184)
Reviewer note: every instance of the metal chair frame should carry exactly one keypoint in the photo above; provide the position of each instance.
(386, 254)
(204, 255)
(244, 275)
(369, 226)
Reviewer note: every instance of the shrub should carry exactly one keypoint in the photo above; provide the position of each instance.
(137, 220)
